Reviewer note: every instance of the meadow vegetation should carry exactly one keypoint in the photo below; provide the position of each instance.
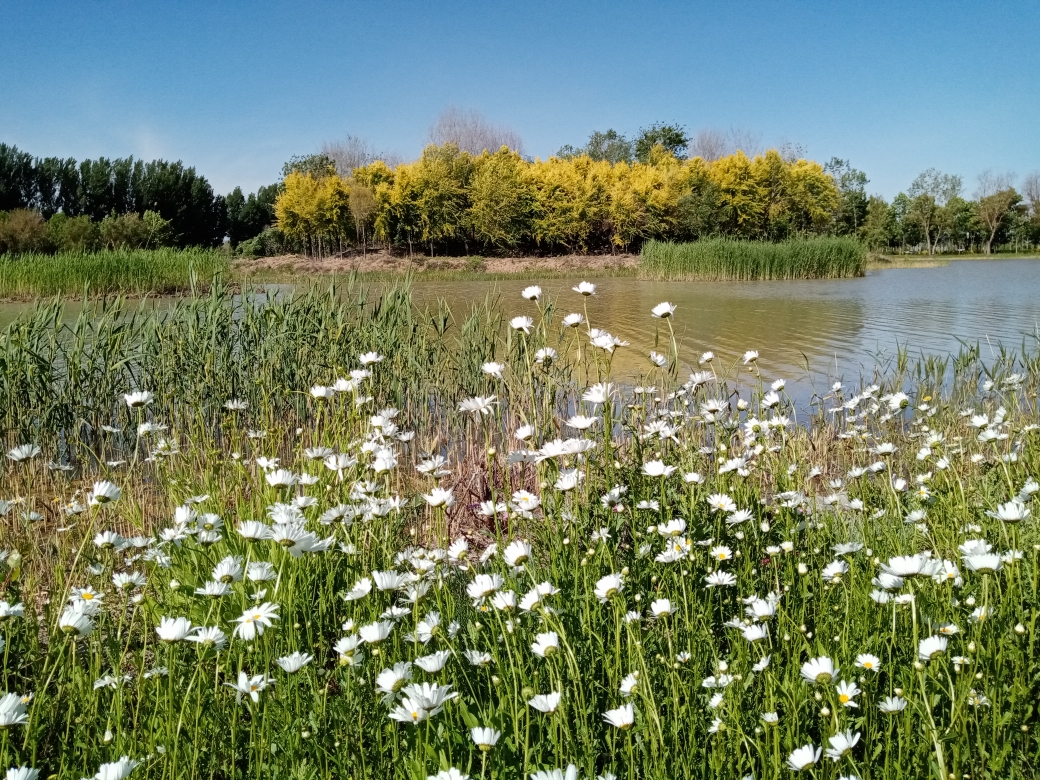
(333, 535)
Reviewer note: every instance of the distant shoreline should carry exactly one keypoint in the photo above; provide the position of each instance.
(381, 264)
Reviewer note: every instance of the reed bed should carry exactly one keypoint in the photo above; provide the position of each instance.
(722, 259)
(137, 271)
(334, 536)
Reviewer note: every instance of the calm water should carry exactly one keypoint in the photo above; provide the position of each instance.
(809, 332)
(837, 329)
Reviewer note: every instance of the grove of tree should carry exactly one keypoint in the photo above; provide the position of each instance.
(473, 191)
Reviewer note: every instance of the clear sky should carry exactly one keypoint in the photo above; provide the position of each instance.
(237, 87)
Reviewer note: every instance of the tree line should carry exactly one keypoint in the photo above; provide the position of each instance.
(53, 204)
(465, 194)
(934, 216)
(452, 201)
(472, 191)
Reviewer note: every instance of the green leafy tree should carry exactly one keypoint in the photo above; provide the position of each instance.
(880, 227)
(923, 211)
(701, 210)
(158, 231)
(908, 232)
(57, 184)
(997, 200)
(249, 217)
(72, 234)
(611, 147)
(960, 223)
(17, 178)
(123, 231)
(317, 165)
(852, 190)
(673, 138)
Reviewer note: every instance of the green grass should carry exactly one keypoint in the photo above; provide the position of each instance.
(722, 259)
(139, 271)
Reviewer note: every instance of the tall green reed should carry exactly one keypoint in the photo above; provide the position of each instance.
(720, 259)
(138, 272)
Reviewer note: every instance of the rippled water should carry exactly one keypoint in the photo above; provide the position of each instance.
(810, 331)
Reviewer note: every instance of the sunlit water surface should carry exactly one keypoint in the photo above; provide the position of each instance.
(809, 332)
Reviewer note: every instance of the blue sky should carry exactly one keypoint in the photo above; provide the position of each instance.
(235, 88)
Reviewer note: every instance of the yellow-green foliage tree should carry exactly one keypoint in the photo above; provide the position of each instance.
(571, 201)
(451, 201)
(314, 211)
(743, 195)
(501, 200)
(442, 178)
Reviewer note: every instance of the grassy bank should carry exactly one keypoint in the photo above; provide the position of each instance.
(726, 259)
(336, 540)
(140, 271)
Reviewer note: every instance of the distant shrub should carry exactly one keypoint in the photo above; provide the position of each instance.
(269, 243)
(24, 230)
(72, 234)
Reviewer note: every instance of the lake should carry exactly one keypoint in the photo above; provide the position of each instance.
(808, 332)
(811, 332)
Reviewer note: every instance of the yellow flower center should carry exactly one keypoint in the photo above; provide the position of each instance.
(844, 698)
